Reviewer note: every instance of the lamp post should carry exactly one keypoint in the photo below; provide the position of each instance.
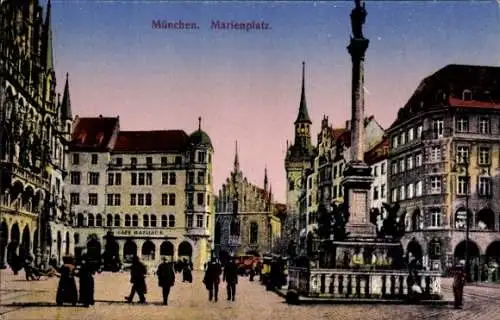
(463, 161)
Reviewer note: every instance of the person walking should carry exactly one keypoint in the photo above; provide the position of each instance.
(138, 273)
(187, 275)
(231, 278)
(212, 279)
(86, 274)
(458, 286)
(166, 278)
(66, 289)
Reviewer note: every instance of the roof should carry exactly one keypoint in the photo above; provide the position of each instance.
(303, 116)
(445, 88)
(151, 141)
(378, 153)
(93, 133)
(200, 137)
(337, 132)
(281, 209)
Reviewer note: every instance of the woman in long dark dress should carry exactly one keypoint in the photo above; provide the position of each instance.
(66, 290)
(187, 275)
(86, 274)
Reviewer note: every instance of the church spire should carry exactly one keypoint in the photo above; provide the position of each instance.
(236, 159)
(66, 113)
(303, 116)
(265, 178)
(48, 52)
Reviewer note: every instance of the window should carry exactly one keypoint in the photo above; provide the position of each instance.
(110, 199)
(461, 185)
(164, 161)
(164, 178)
(291, 186)
(418, 189)
(171, 199)
(93, 178)
(462, 124)
(409, 162)
(462, 154)
(127, 220)
(402, 193)
(94, 159)
(117, 220)
(409, 191)
(436, 218)
(394, 195)
(199, 221)
(435, 153)
(140, 199)
(141, 178)
(118, 179)
(394, 167)
(484, 125)
(435, 184)
(254, 232)
(401, 165)
(418, 160)
(98, 220)
(484, 186)
(153, 220)
(411, 136)
(133, 162)
(437, 128)
(111, 179)
(164, 221)
(420, 129)
(119, 162)
(149, 178)
(402, 139)
(171, 221)
(76, 158)
(208, 199)
(484, 155)
(201, 177)
(375, 171)
(74, 198)
(145, 220)
(375, 193)
(117, 199)
(190, 177)
(164, 199)
(135, 220)
(190, 200)
(133, 178)
(189, 221)
(467, 95)
(148, 199)
(382, 191)
(382, 168)
(172, 178)
(133, 199)
(178, 160)
(93, 199)
(200, 198)
(395, 142)
(90, 220)
(75, 177)
(334, 192)
(202, 156)
(149, 162)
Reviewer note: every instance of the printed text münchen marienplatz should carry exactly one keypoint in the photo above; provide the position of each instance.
(239, 25)
(176, 25)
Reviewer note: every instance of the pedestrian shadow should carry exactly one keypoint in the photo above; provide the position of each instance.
(38, 305)
(24, 290)
(154, 303)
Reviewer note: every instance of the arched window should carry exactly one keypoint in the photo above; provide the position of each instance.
(254, 232)
(171, 221)
(164, 220)
(153, 220)
(291, 186)
(109, 220)
(79, 220)
(77, 238)
(145, 220)
(127, 220)
(135, 220)
(98, 220)
(90, 219)
(117, 220)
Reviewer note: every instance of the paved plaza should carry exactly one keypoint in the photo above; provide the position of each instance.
(21, 300)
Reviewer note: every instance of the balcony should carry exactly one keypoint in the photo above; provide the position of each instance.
(436, 135)
(200, 232)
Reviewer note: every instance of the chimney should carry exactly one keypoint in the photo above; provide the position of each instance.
(348, 124)
(100, 116)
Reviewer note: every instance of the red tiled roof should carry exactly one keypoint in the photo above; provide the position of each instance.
(455, 102)
(378, 152)
(93, 133)
(165, 140)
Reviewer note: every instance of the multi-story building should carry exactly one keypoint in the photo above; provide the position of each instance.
(453, 118)
(247, 219)
(299, 157)
(376, 158)
(34, 128)
(151, 189)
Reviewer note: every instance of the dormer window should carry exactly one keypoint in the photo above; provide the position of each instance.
(467, 95)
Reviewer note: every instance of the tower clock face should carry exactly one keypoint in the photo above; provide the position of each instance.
(302, 130)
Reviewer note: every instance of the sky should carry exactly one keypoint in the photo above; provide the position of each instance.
(246, 84)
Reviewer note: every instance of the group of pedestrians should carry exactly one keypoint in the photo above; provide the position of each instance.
(212, 279)
(66, 290)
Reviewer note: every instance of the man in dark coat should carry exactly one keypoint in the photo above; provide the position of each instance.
(166, 278)
(231, 278)
(459, 280)
(138, 273)
(66, 290)
(187, 275)
(86, 274)
(212, 279)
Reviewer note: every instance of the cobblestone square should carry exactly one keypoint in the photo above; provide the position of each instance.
(21, 300)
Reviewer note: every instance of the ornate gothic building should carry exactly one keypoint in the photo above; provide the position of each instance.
(34, 130)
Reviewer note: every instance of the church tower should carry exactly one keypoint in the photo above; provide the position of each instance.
(300, 154)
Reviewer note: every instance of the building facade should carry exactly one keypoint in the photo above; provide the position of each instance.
(34, 129)
(151, 189)
(444, 157)
(376, 158)
(247, 219)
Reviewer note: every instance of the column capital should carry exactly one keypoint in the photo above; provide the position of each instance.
(357, 47)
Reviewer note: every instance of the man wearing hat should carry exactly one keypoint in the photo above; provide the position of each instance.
(166, 278)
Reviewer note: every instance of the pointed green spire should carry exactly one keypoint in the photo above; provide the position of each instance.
(66, 113)
(303, 116)
(49, 54)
